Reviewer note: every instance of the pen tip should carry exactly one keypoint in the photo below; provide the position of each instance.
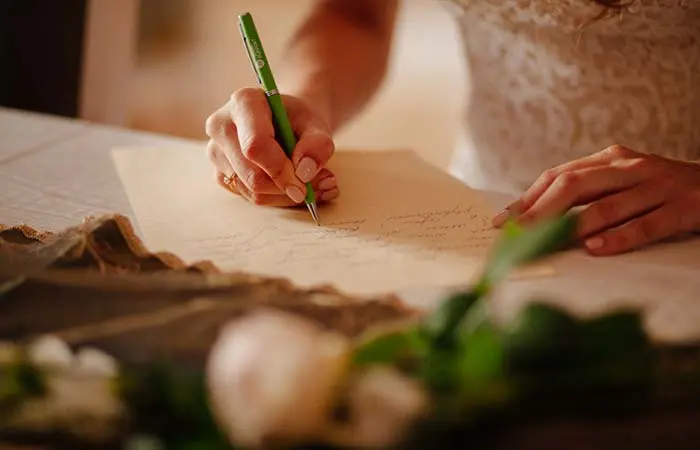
(314, 212)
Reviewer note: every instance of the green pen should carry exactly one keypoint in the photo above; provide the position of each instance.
(283, 128)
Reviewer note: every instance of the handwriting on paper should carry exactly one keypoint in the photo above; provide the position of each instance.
(351, 243)
(398, 223)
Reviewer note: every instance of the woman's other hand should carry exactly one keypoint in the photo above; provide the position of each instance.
(630, 199)
(249, 162)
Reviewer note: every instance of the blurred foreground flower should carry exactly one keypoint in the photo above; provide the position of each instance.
(77, 389)
(274, 377)
(382, 404)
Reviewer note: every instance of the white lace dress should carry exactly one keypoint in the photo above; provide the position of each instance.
(546, 88)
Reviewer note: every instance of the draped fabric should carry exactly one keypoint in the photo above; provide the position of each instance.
(550, 82)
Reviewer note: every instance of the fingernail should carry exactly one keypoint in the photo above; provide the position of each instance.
(510, 211)
(330, 195)
(595, 243)
(501, 218)
(295, 194)
(327, 184)
(306, 171)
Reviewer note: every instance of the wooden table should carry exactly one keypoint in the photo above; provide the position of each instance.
(54, 172)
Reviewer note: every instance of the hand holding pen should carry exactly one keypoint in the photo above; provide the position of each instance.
(249, 154)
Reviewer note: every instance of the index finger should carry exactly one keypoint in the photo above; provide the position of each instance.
(602, 158)
(256, 136)
(577, 188)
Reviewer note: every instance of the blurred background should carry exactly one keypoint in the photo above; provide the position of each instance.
(191, 58)
(165, 65)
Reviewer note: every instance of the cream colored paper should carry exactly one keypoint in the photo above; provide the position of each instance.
(399, 222)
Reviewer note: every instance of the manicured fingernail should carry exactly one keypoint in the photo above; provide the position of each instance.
(330, 195)
(501, 218)
(306, 171)
(595, 243)
(327, 184)
(295, 194)
(510, 211)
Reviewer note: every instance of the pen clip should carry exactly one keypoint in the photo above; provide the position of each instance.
(248, 51)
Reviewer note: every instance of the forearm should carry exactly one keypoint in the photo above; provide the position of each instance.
(338, 59)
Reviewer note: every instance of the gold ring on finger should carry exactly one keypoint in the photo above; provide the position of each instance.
(228, 180)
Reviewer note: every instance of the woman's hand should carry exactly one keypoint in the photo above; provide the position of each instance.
(248, 160)
(633, 199)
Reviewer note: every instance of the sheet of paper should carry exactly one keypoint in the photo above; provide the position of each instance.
(399, 222)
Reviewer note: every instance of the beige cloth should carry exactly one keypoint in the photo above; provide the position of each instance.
(548, 84)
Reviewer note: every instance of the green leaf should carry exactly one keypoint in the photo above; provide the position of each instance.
(390, 347)
(440, 326)
(481, 369)
(440, 371)
(473, 363)
(519, 245)
(511, 230)
(471, 322)
(614, 335)
(20, 381)
(170, 403)
(516, 245)
(542, 337)
(481, 354)
(615, 348)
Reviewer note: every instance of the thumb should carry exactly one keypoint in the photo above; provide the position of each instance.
(315, 144)
(314, 148)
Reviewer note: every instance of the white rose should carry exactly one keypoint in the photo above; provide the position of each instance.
(383, 403)
(274, 376)
(79, 395)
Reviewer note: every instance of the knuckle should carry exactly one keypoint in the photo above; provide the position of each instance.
(254, 148)
(255, 180)
(639, 163)
(645, 230)
(275, 171)
(212, 151)
(213, 124)
(549, 176)
(568, 181)
(244, 95)
(617, 151)
(607, 211)
(219, 124)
